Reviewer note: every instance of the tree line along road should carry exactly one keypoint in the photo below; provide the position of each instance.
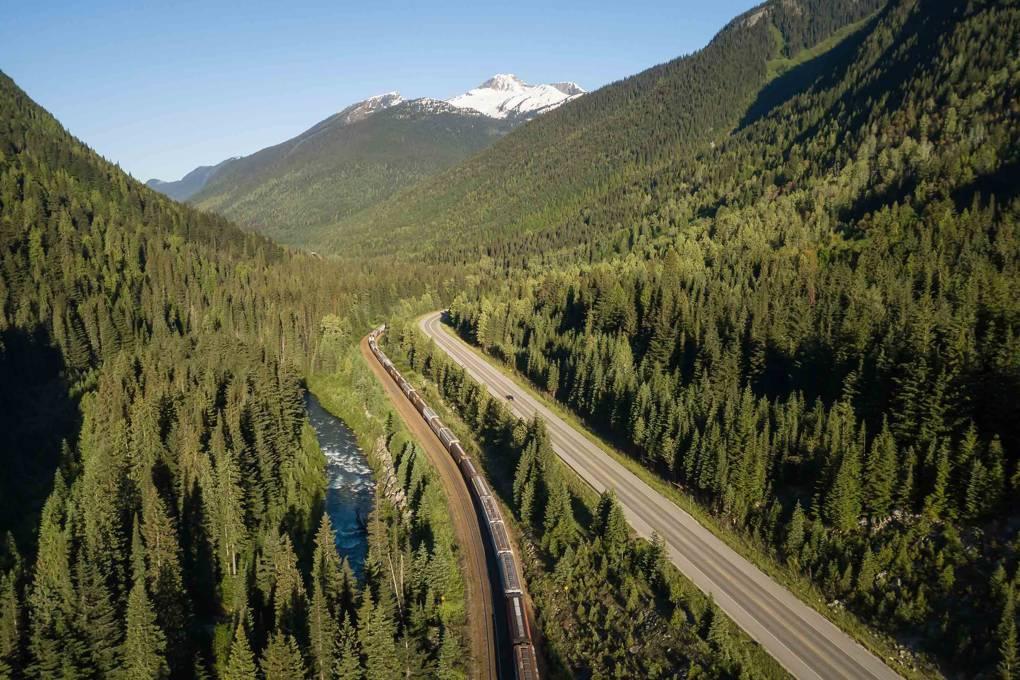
(807, 644)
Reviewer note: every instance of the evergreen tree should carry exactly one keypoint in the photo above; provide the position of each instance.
(842, 506)
(880, 474)
(1009, 653)
(143, 652)
(348, 662)
(794, 534)
(322, 634)
(281, 659)
(10, 626)
(241, 664)
(54, 647)
(98, 620)
(377, 632)
(559, 526)
(612, 525)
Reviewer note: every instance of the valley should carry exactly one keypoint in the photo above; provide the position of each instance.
(724, 385)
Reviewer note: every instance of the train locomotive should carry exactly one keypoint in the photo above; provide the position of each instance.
(525, 660)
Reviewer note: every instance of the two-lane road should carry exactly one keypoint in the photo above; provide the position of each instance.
(801, 639)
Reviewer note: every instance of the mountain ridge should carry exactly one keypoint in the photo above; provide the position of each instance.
(523, 102)
(345, 164)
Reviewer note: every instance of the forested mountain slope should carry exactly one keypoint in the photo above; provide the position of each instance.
(150, 392)
(550, 173)
(814, 326)
(343, 165)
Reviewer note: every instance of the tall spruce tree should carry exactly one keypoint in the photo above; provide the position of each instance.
(241, 663)
(281, 659)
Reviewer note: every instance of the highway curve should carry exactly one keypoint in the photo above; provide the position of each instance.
(802, 640)
(480, 589)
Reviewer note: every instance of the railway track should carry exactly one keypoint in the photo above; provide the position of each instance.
(525, 663)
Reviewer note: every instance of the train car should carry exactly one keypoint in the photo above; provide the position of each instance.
(491, 509)
(436, 424)
(468, 468)
(525, 662)
(500, 538)
(406, 387)
(418, 402)
(518, 620)
(457, 452)
(448, 437)
(428, 414)
(480, 486)
(508, 573)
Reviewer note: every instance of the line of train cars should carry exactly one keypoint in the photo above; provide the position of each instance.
(525, 663)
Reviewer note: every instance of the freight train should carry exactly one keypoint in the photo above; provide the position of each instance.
(525, 661)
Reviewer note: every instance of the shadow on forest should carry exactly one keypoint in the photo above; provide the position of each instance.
(1003, 184)
(821, 72)
(37, 414)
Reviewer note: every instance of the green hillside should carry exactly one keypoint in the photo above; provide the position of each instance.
(564, 172)
(337, 169)
(162, 488)
(813, 326)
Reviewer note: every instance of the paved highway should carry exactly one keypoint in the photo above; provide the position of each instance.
(802, 640)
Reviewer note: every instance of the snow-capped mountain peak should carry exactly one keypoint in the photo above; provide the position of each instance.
(362, 110)
(503, 81)
(506, 96)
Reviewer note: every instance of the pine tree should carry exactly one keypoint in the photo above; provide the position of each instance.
(612, 525)
(166, 578)
(241, 664)
(143, 653)
(976, 496)
(326, 569)
(53, 645)
(97, 618)
(348, 661)
(794, 534)
(525, 484)
(1006, 635)
(842, 507)
(450, 657)
(880, 474)
(559, 527)
(322, 634)
(377, 642)
(936, 502)
(281, 659)
(10, 626)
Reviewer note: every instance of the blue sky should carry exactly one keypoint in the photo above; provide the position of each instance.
(161, 87)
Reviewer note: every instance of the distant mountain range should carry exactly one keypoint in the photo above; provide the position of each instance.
(190, 184)
(355, 158)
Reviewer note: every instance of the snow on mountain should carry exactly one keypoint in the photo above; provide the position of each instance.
(427, 105)
(506, 96)
(362, 110)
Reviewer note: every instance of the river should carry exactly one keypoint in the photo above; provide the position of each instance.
(350, 488)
